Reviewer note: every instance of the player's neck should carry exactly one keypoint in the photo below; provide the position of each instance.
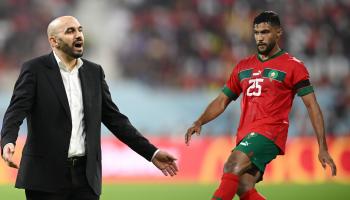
(276, 50)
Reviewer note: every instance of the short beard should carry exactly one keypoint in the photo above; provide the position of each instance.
(268, 49)
(68, 50)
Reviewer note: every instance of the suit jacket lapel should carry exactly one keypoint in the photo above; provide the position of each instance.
(84, 81)
(56, 81)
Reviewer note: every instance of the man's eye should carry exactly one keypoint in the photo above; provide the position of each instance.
(69, 30)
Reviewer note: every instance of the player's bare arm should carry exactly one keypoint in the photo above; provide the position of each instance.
(316, 118)
(214, 109)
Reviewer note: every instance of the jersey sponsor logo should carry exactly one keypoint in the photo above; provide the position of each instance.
(257, 73)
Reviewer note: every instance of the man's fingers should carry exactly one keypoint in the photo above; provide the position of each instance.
(12, 164)
(187, 138)
(334, 170)
(323, 162)
(170, 171)
(330, 162)
(168, 168)
(164, 172)
(8, 151)
(197, 132)
(333, 167)
(189, 134)
(173, 167)
(325, 159)
(7, 156)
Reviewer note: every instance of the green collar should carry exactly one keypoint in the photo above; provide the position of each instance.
(273, 56)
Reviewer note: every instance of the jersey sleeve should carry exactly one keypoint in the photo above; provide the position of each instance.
(301, 80)
(232, 88)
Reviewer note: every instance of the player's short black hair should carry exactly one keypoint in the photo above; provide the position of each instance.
(270, 17)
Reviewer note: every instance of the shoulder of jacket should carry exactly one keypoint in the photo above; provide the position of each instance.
(91, 64)
(36, 63)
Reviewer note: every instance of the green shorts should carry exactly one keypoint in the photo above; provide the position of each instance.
(259, 149)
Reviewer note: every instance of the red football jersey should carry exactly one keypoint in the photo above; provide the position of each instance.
(268, 89)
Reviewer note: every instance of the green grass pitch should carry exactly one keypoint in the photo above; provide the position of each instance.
(203, 192)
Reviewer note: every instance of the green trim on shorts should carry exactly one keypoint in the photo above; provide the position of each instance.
(259, 149)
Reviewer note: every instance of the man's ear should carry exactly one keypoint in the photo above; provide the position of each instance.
(53, 41)
(279, 32)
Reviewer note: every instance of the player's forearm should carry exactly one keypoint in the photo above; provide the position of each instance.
(317, 121)
(214, 109)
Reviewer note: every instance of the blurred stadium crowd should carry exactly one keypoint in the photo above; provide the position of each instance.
(192, 45)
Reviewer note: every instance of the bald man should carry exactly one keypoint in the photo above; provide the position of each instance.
(65, 98)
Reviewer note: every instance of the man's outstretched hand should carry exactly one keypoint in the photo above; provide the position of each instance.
(325, 159)
(194, 129)
(7, 155)
(166, 163)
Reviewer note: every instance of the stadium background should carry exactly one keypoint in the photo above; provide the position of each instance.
(166, 60)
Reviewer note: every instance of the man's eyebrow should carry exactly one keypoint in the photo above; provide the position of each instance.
(263, 30)
(72, 27)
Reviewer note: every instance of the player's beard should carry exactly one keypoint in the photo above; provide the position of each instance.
(267, 50)
(63, 46)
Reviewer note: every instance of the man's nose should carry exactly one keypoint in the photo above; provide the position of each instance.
(260, 37)
(79, 35)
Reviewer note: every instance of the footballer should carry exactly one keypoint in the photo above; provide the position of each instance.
(267, 83)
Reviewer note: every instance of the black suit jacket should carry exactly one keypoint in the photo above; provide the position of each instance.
(39, 96)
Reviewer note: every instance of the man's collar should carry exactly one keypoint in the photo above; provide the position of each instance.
(61, 65)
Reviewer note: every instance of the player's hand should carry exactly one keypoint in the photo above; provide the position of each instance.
(326, 159)
(195, 128)
(7, 155)
(166, 163)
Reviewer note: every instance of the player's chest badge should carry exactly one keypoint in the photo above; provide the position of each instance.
(273, 74)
